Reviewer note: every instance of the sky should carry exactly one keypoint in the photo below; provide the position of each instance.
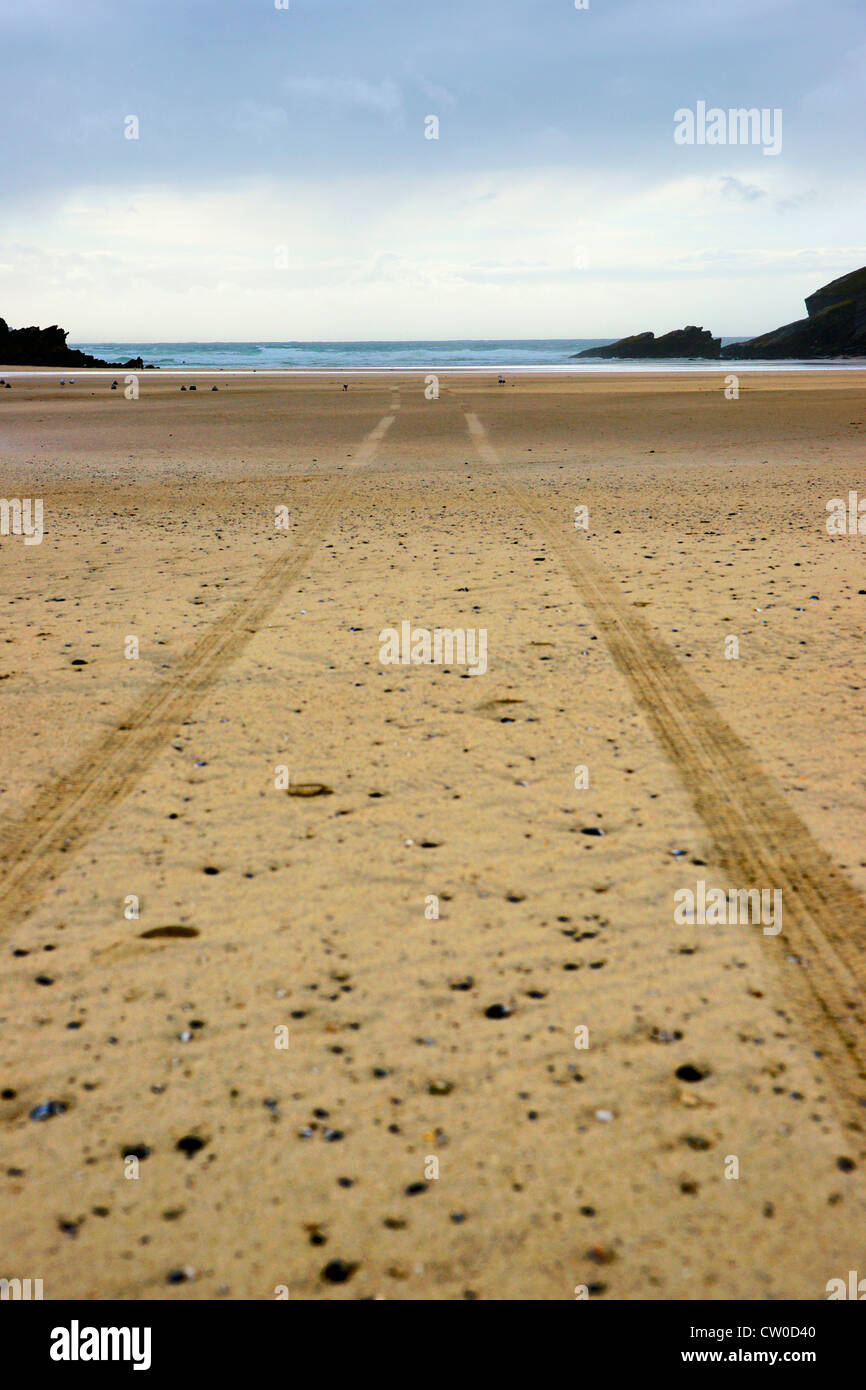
(283, 184)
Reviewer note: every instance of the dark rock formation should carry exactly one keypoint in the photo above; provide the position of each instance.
(682, 342)
(46, 347)
(836, 326)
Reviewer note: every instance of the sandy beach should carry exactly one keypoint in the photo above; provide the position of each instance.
(340, 1040)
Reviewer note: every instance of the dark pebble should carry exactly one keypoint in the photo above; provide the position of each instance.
(158, 933)
(690, 1073)
(47, 1109)
(190, 1144)
(497, 1011)
(338, 1271)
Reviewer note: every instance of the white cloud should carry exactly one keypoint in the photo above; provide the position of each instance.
(441, 255)
(340, 93)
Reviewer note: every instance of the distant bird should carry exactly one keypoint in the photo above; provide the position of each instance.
(183, 388)
(114, 386)
(345, 386)
(192, 388)
(214, 388)
(502, 381)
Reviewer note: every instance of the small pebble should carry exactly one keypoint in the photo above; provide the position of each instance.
(690, 1073)
(497, 1011)
(338, 1271)
(47, 1109)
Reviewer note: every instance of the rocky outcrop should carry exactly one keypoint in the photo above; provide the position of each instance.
(835, 327)
(46, 347)
(682, 342)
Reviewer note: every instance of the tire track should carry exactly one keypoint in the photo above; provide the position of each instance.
(36, 847)
(758, 838)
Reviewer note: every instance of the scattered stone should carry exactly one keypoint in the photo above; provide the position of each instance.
(497, 1011)
(171, 931)
(601, 1255)
(47, 1109)
(339, 1271)
(689, 1073)
(661, 1035)
(190, 1144)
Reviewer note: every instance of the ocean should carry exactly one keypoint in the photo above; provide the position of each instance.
(529, 353)
(542, 352)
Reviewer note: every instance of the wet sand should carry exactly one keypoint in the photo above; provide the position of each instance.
(608, 1167)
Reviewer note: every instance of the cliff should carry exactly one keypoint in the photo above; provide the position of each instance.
(46, 347)
(835, 326)
(682, 342)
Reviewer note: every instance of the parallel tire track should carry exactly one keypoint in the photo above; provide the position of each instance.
(758, 838)
(36, 847)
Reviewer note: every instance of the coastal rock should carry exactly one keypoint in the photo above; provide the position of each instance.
(46, 347)
(682, 342)
(835, 327)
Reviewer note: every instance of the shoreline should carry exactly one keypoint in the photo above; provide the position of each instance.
(744, 367)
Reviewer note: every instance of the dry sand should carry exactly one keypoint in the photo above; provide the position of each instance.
(155, 777)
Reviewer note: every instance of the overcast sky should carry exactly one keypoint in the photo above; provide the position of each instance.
(282, 186)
